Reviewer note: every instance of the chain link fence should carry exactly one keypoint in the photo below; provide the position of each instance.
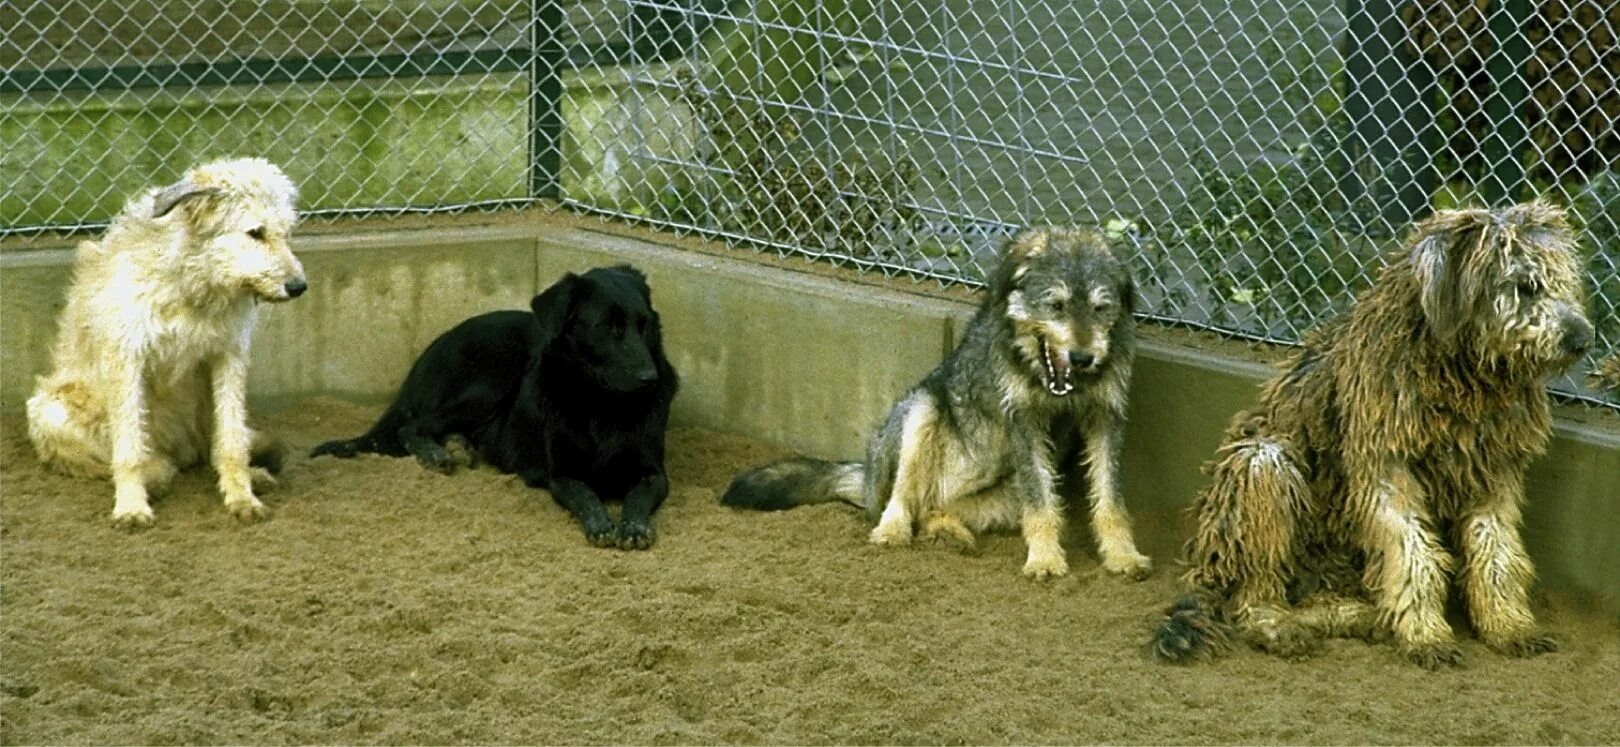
(1256, 157)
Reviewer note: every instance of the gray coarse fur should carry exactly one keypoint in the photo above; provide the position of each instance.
(992, 401)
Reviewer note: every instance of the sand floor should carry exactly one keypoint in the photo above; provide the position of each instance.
(386, 604)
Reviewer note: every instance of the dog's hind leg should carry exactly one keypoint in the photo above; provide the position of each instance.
(1247, 521)
(1334, 615)
(1110, 523)
(910, 443)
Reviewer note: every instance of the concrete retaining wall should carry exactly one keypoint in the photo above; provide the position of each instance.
(796, 358)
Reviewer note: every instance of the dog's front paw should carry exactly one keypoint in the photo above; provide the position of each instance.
(247, 510)
(1134, 566)
(891, 535)
(1533, 644)
(1050, 565)
(1433, 656)
(634, 535)
(133, 517)
(601, 534)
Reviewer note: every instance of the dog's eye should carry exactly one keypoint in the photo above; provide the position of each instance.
(1055, 305)
(1102, 306)
(257, 234)
(1529, 288)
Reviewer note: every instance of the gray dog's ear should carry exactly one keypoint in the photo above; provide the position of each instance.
(171, 196)
(1435, 261)
(552, 308)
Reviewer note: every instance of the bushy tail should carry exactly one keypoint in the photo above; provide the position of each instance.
(1193, 628)
(798, 481)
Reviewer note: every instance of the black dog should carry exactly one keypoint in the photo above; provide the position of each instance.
(573, 398)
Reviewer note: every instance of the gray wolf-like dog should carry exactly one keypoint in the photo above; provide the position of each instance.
(1043, 368)
(1386, 460)
(149, 372)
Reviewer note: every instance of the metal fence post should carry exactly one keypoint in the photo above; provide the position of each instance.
(545, 99)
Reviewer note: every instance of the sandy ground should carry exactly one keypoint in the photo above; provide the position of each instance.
(386, 604)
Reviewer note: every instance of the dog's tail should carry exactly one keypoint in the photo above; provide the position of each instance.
(383, 438)
(798, 481)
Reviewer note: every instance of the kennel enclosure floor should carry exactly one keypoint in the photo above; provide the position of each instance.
(383, 603)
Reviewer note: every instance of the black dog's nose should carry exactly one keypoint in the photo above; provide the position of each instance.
(647, 376)
(1081, 359)
(296, 287)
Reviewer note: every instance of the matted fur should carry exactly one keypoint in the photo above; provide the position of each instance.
(149, 371)
(1387, 459)
(1044, 365)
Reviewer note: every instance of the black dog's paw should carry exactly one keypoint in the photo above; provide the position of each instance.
(602, 534)
(635, 536)
(438, 460)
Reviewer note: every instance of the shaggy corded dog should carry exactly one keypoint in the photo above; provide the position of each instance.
(149, 372)
(573, 396)
(1043, 367)
(1388, 457)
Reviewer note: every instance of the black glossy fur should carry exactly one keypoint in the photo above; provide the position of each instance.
(573, 397)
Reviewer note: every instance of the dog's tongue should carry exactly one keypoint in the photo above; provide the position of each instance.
(1057, 371)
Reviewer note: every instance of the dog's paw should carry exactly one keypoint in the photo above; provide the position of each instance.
(1134, 566)
(950, 532)
(1533, 644)
(439, 461)
(1041, 567)
(263, 481)
(890, 535)
(602, 534)
(1433, 656)
(1286, 641)
(635, 536)
(133, 517)
(247, 510)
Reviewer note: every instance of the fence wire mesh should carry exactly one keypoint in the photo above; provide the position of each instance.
(1257, 157)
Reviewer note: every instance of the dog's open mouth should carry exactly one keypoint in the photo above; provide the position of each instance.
(1057, 370)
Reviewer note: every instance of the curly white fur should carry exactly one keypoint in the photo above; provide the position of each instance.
(150, 363)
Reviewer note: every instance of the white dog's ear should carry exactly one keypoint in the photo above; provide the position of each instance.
(171, 196)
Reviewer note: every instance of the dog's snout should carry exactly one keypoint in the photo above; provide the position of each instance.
(1577, 334)
(647, 375)
(1081, 359)
(296, 287)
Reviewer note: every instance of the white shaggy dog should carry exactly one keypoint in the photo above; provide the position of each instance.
(150, 363)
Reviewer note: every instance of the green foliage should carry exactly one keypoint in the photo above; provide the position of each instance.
(767, 183)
